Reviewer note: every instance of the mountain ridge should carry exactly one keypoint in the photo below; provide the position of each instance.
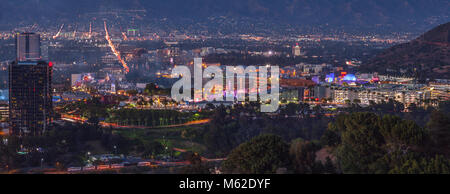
(428, 55)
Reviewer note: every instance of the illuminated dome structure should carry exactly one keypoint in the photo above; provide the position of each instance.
(4, 95)
(330, 78)
(349, 78)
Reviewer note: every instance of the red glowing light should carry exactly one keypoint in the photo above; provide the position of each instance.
(50, 64)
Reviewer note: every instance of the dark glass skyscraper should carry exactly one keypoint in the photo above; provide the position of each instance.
(30, 93)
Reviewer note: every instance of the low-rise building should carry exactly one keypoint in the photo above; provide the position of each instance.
(344, 94)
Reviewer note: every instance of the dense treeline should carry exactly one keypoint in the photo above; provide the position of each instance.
(68, 145)
(152, 118)
(60, 144)
(367, 143)
(419, 114)
(269, 153)
(95, 109)
(353, 143)
(263, 154)
(230, 127)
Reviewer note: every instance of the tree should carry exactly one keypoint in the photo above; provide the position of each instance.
(189, 134)
(426, 165)
(262, 154)
(329, 167)
(439, 128)
(303, 154)
(9, 158)
(153, 148)
(290, 109)
(330, 137)
(219, 135)
(347, 101)
(360, 142)
(210, 106)
(197, 166)
(367, 143)
(153, 89)
(132, 92)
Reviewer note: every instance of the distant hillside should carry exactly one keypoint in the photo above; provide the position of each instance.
(372, 15)
(427, 56)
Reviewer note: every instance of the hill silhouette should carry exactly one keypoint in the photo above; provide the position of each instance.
(427, 56)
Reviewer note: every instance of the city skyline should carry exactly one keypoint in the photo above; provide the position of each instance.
(225, 87)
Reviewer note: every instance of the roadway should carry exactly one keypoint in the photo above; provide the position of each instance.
(76, 119)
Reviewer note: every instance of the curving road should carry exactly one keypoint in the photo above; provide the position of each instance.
(75, 119)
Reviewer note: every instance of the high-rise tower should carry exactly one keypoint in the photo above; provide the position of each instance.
(30, 93)
(296, 50)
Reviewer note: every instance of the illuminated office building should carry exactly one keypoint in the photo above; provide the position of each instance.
(30, 93)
